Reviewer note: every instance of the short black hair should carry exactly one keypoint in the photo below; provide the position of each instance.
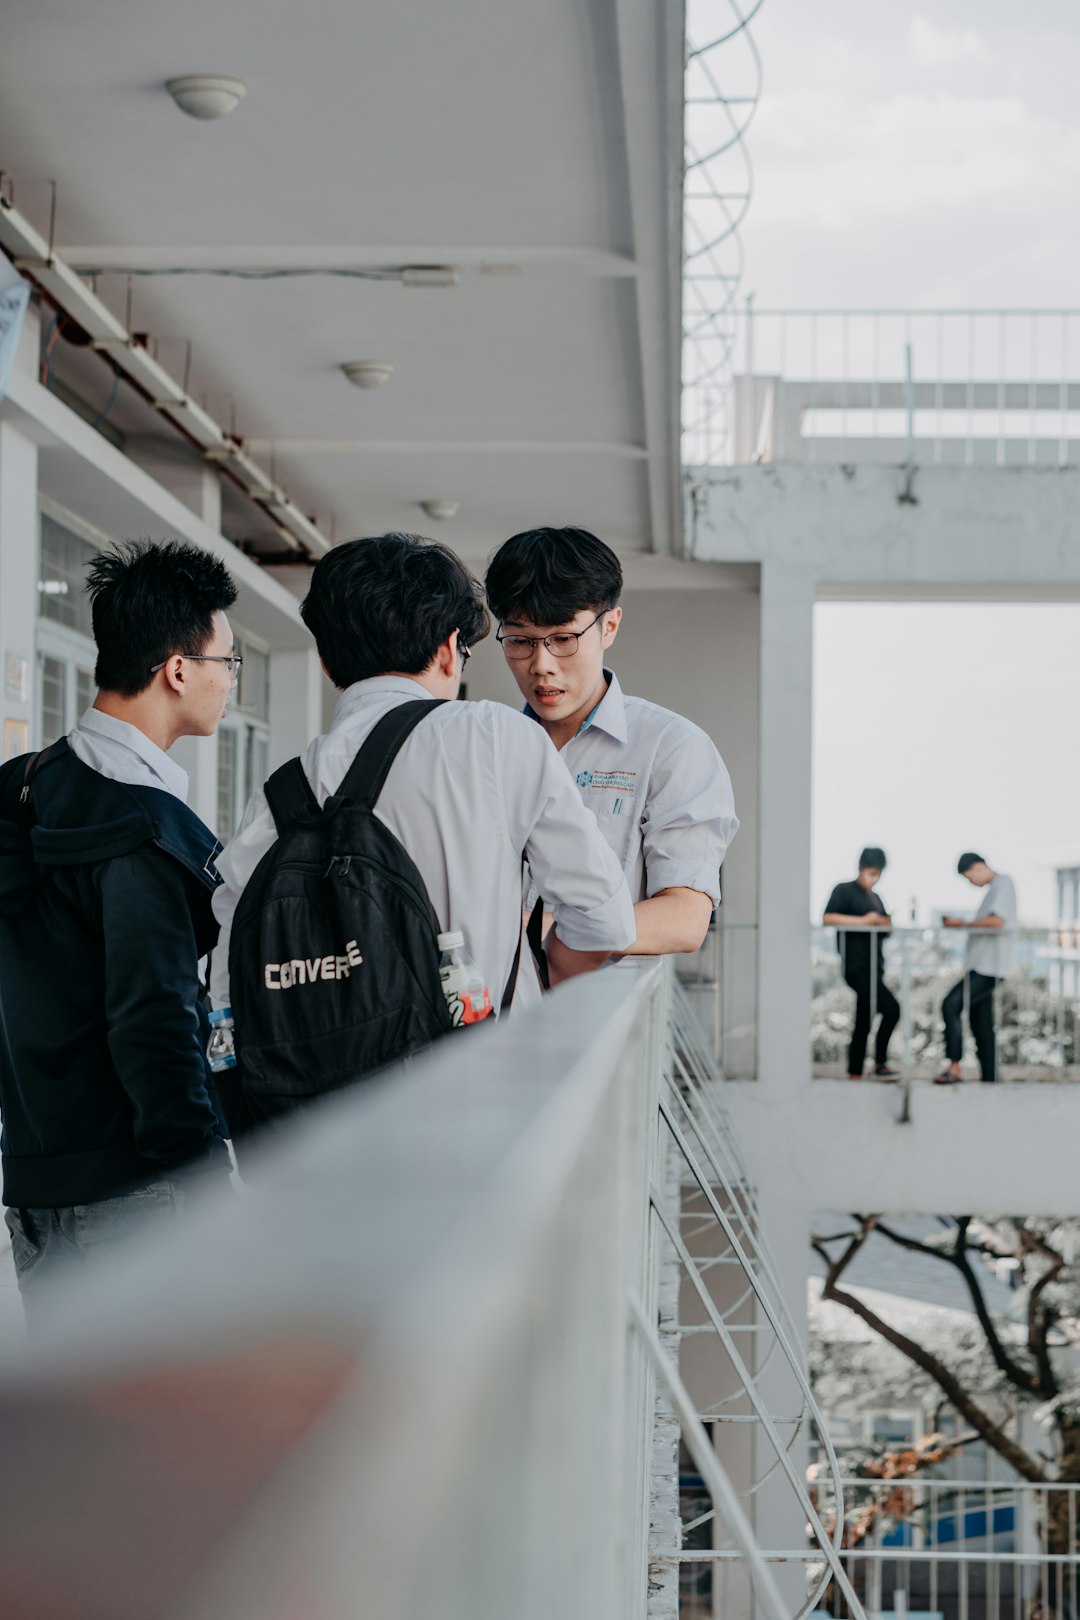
(149, 601)
(547, 576)
(872, 856)
(967, 860)
(389, 603)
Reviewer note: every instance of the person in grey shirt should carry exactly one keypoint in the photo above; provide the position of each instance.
(987, 961)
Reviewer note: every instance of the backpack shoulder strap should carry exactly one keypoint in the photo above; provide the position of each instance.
(365, 777)
(34, 763)
(289, 795)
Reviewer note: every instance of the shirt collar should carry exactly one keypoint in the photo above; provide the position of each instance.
(376, 686)
(172, 776)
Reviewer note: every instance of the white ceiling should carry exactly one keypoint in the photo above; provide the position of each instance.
(484, 134)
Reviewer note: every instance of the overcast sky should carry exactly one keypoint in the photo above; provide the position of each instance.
(929, 156)
(924, 155)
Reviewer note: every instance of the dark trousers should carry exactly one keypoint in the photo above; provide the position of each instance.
(868, 1001)
(977, 989)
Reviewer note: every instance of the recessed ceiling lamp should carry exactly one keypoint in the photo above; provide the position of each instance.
(367, 373)
(441, 511)
(207, 95)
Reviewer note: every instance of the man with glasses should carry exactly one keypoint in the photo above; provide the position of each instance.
(659, 790)
(473, 790)
(106, 880)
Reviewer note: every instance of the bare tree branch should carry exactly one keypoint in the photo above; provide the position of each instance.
(947, 1382)
(957, 1257)
(1041, 1320)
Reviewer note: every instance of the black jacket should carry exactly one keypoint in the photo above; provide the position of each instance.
(104, 912)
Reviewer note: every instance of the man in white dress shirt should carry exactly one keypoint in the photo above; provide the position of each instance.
(105, 884)
(659, 790)
(474, 788)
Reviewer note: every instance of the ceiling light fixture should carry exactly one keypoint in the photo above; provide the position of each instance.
(441, 511)
(367, 373)
(207, 95)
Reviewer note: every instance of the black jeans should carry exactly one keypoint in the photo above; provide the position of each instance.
(977, 989)
(868, 1000)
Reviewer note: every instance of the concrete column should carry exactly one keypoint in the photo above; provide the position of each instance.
(296, 703)
(787, 618)
(18, 588)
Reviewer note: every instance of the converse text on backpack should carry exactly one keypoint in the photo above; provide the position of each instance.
(306, 970)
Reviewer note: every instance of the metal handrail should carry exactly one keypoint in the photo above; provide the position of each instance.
(699, 1101)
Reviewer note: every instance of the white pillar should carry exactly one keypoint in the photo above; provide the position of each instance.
(18, 587)
(296, 697)
(787, 617)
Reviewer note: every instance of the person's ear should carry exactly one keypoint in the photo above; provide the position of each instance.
(447, 656)
(174, 674)
(610, 626)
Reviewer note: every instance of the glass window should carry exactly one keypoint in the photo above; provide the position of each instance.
(61, 585)
(53, 700)
(254, 688)
(84, 691)
(257, 754)
(228, 750)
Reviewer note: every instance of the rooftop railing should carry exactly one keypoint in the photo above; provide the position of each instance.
(434, 1360)
(1035, 1007)
(996, 387)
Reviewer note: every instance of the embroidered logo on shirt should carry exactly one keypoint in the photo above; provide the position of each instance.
(613, 781)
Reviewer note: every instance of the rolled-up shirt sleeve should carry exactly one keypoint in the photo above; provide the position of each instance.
(569, 860)
(690, 816)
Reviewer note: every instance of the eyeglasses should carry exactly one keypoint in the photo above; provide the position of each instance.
(562, 645)
(233, 661)
(466, 653)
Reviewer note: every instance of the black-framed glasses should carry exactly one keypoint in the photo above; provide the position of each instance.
(562, 645)
(233, 661)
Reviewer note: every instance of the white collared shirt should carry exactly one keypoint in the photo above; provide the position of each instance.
(123, 753)
(474, 788)
(660, 793)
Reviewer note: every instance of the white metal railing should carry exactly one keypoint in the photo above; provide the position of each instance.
(928, 386)
(414, 1368)
(753, 1372)
(1035, 1007)
(721, 983)
(951, 1549)
(963, 1548)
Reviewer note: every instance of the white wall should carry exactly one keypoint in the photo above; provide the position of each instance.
(975, 531)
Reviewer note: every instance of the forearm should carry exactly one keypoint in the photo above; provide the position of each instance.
(673, 921)
(564, 963)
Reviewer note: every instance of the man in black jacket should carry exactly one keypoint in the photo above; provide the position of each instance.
(105, 885)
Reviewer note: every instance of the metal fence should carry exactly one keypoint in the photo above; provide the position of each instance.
(958, 386)
(1035, 1007)
(961, 1550)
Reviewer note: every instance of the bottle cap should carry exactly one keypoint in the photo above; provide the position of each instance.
(451, 942)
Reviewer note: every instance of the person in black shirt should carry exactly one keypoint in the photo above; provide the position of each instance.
(855, 905)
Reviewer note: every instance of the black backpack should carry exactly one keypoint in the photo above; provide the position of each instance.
(333, 960)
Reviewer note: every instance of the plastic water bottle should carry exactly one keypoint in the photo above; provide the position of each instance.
(463, 984)
(221, 1049)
